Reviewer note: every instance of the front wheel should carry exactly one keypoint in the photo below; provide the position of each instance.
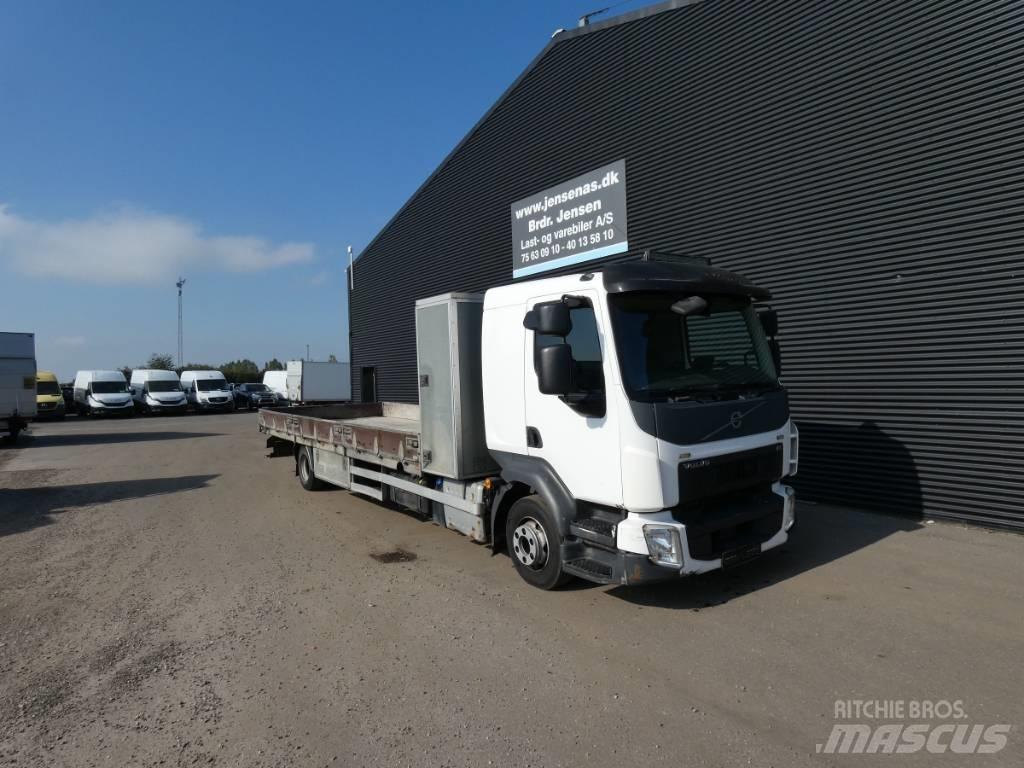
(306, 476)
(533, 543)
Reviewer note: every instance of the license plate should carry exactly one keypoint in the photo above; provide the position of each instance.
(740, 555)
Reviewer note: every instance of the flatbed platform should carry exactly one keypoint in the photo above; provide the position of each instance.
(387, 434)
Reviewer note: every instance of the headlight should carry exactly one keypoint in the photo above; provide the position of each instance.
(663, 545)
(794, 451)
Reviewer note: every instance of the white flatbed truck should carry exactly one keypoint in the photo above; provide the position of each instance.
(623, 426)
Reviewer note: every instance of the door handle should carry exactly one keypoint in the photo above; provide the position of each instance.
(533, 438)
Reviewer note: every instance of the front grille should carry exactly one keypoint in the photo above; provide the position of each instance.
(735, 472)
(218, 399)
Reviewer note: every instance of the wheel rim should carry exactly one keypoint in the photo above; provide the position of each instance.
(304, 469)
(530, 544)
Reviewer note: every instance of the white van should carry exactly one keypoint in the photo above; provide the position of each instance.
(102, 393)
(277, 382)
(207, 391)
(157, 391)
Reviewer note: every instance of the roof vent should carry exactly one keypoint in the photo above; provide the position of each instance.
(585, 18)
(664, 256)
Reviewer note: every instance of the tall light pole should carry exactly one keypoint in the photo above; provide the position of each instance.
(181, 346)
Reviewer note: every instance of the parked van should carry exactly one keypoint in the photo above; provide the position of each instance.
(157, 391)
(207, 391)
(102, 393)
(49, 400)
(277, 382)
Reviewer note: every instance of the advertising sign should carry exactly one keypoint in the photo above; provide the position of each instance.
(579, 220)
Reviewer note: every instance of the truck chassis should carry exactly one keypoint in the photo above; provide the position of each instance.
(373, 449)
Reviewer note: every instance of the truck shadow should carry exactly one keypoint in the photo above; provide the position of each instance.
(105, 438)
(822, 535)
(860, 466)
(22, 509)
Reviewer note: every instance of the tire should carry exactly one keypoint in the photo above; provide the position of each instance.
(534, 542)
(304, 466)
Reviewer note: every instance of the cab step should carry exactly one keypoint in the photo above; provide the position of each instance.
(590, 569)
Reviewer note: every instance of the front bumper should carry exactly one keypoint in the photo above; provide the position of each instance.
(215, 406)
(113, 410)
(177, 408)
(630, 564)
(49, 410)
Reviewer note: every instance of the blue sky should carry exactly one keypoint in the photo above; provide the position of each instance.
(243, 145)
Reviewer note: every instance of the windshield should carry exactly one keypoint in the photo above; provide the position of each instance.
(666, 356)
(47, 388)
(165, 385)
(208, 385)
(108, 387)
(255, 388)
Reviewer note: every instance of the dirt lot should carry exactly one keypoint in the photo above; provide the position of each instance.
(170, 596)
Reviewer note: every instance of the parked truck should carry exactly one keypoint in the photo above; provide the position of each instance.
(625, 425)
(17, 383)
(308, 381)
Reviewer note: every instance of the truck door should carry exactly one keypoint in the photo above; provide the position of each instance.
(580, 444)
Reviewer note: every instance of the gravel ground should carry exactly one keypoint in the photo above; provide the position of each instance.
(171, 596)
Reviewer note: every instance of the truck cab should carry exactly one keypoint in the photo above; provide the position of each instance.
(637, 414)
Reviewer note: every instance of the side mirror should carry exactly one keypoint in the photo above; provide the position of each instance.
(550, 318)
(769, 322)
(555, 370)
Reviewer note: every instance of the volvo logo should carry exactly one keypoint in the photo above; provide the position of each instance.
(736, 419)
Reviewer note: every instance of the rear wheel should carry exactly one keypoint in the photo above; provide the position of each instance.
(534, 543)
(305, 467)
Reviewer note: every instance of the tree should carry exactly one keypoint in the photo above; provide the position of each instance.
(240, 371)
(332, 359)
(273, 365)
(127, 371)
(160, 362)
(194, 367)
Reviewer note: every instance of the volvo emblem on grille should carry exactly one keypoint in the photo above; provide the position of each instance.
(736, 419)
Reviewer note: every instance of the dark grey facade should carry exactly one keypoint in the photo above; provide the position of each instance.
(863, 160)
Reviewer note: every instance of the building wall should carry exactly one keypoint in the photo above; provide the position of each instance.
(863, 160)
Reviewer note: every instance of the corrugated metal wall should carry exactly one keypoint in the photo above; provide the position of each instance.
(863, 160)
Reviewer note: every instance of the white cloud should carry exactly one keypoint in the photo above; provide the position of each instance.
(133, 246)
(70, 341)
(320, 278)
